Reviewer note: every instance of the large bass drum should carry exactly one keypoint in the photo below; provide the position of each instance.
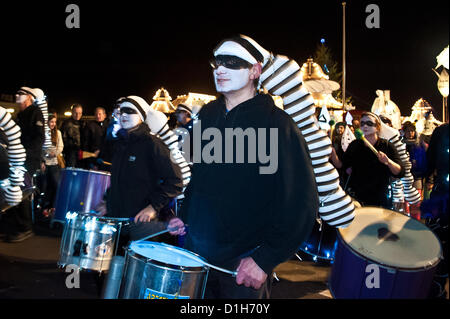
(384, 254)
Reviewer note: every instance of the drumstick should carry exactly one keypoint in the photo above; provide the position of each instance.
(100, 161)
(189, 255)
(150, 236)
(360, 136)
(201, 261)
(159, 233)
(85, 154)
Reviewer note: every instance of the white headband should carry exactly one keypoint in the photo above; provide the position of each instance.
(235, 49)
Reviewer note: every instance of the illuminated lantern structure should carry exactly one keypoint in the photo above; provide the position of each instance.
(162, 102)
(194, 100)
(318, 84)
(422, 117)
(383, 105)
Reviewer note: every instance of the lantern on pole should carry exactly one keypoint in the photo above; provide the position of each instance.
(443, 88)
(442, 84)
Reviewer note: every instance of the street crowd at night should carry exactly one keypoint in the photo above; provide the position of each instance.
(272, 181)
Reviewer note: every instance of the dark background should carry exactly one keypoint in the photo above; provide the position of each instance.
(136, 47)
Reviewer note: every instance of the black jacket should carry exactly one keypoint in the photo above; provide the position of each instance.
(4, 161)
(437, 158)
(232, 209)
(94, 134)
(31, 122)
(370, 179)
(142, 174)
(71, 131)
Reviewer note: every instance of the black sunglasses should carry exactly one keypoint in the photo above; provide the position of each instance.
(368, 123)
(127, 110)
(229, 62)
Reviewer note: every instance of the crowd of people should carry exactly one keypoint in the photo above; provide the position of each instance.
(356, 163)
(68, 142)
(238, 218)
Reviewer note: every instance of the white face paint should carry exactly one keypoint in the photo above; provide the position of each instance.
(368, 130)
(20, 98)
(228, 80)
(128, 121)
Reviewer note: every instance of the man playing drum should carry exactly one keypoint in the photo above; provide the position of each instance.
(240, 218)
(143, 178)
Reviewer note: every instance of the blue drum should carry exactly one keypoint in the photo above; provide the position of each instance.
(79, 190)
(321, 244)
(161, 271)
(384, 254)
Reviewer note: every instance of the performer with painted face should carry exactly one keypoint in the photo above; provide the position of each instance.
(143, 177)
(246, 214)
(372, 167)
(31, 122)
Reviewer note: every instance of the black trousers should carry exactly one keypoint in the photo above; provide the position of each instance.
(71, 157)
(50, 185)
(18, 219)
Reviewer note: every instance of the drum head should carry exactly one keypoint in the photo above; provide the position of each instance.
(392, 239)
(166, 254)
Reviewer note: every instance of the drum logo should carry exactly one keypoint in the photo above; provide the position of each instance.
(373, 278)
(153, 294)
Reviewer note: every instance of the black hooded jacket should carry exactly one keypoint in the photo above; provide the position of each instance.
(31, 122)
(232, 210)
(142, 174)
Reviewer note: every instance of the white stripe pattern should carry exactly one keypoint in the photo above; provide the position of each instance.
(16, 157)
(336, 207)
(405, 189)
(157, 122)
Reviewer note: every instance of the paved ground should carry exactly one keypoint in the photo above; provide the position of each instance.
(28, 270)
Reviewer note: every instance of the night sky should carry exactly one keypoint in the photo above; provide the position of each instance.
(136, 47)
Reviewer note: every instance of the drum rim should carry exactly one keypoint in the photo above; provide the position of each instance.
(114, 220)
(81, 268)
(383, 265)
(164, 264)
(87, 170)
(167, 266)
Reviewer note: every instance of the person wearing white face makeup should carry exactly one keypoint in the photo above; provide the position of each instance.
(144, 180)
(31, 122)
(240, 219)
(370, 173)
